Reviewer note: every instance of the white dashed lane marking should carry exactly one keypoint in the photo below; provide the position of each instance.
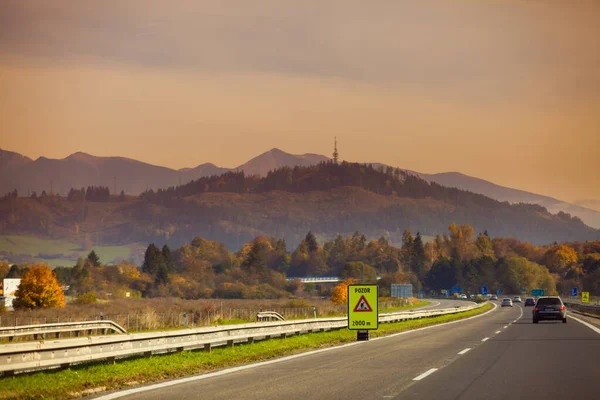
(425, 374)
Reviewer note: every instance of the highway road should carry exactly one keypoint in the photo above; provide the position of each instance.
(498, 355)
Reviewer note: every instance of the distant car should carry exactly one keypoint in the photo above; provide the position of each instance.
(493, 297)
(507, 302)
(549, 308)
(462, 296)
(516, 299)
(529, 302)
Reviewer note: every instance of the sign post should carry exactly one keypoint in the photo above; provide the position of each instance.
(574, 292)
(484, 290)
(585, 297)
(537, 292)
(499, 292)
(363, 314)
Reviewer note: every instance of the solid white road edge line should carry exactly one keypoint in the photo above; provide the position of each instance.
(592, 327)
(425, 374)
(498, 331)
(485, 339)
(128, 392)
(464, 351)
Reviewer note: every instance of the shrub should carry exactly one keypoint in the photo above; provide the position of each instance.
(86, 298)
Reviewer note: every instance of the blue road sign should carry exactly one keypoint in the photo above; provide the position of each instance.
(422, 291)
(498, 292)
(484, 290)
(456, 289)
(537, 292)
(574, 292)
(523, 289)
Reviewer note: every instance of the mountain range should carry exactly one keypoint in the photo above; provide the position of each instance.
(133, 177)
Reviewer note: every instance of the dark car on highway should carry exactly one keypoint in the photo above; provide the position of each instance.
(549, 308)
(529, 302)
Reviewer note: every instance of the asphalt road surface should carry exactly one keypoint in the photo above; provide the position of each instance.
(499, 355)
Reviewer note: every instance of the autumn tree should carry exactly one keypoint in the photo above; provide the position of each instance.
(484, 245)
(339, 294)
(39, 289)
(4, 268)
(560, 258)
(460, 242)
(358, 270)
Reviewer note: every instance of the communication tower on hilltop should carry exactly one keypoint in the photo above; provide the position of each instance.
(335, 152)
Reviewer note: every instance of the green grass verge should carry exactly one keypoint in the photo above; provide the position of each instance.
(37, 247)
(422, 303)
(85, 379)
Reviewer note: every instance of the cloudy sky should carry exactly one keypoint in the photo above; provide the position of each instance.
(505, 90)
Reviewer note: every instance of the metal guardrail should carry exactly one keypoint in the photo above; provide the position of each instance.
(58, 328)
(62, 353)
(269, 316)
(584, 308)
(319, 279)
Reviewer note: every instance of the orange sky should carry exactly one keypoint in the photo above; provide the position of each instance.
(505, 90)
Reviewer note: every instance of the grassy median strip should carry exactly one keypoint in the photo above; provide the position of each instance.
(82, 380)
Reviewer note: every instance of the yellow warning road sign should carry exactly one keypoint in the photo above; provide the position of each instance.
(362, 307)
(585, 297)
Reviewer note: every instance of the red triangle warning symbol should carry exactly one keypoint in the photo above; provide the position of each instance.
(363, 305)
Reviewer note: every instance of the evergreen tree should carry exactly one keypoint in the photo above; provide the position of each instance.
(93, 258)
(168, 258)
(153, 260)
(312, 243)
(407, 247)
(162, 275)
(256, 261)
(418, 256)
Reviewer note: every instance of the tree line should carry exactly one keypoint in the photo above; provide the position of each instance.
(263, 266)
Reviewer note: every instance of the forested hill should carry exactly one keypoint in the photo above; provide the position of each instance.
(327, 198)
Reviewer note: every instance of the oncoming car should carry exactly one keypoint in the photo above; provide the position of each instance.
(549, 308)
(506, 302)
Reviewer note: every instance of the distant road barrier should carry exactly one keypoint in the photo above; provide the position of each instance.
(29, 356)
(58, 328)
(269, 316)
(584, 308)
(319, 279)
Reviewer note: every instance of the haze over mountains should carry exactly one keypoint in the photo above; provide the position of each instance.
(133, 177)
(82, 170)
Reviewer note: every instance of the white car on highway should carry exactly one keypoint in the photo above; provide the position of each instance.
(506, 302)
